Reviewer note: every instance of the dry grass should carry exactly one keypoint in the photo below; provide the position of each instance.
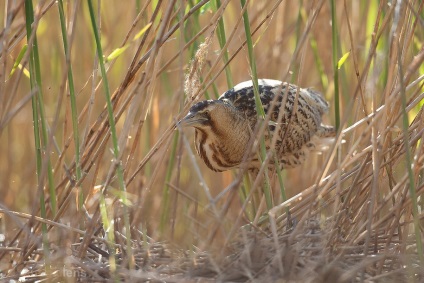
(355, 211)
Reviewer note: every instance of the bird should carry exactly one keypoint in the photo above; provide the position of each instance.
(225, 127)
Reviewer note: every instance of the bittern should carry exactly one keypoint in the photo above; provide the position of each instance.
(224, 128)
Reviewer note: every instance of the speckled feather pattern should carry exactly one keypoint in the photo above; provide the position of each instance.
(222, 140)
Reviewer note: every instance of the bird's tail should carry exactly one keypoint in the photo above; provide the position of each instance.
(324, 138)
(325, 131)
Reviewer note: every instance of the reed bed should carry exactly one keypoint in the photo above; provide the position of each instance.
(97, 183)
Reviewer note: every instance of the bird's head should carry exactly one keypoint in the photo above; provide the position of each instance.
(207, 113)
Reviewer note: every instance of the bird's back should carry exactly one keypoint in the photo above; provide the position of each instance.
(295, 122)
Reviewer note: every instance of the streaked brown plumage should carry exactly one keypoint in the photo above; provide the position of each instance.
(224, 127)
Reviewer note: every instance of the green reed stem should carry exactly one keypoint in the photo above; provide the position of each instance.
(222, 41)
(72, 95)
(39, 113)
(113, 132)
(39, 140)
(258, 103)
(335, 62)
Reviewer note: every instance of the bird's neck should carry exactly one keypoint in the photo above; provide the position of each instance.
(233, 129)
(226, 143)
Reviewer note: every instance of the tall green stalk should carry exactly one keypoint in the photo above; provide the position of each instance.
(39, 116)
(258, 103)
(72, 95)
(252, 62)
(33, 82)
(222, 40)
(39, 112)
(113, 132)
(335, 63)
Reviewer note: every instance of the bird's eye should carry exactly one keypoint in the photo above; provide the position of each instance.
(206, 112)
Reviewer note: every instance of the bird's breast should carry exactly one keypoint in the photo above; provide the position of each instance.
(216, 154)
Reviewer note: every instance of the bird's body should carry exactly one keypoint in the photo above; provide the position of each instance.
(224, 128)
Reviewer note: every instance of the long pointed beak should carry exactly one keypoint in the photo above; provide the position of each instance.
(191, 119)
